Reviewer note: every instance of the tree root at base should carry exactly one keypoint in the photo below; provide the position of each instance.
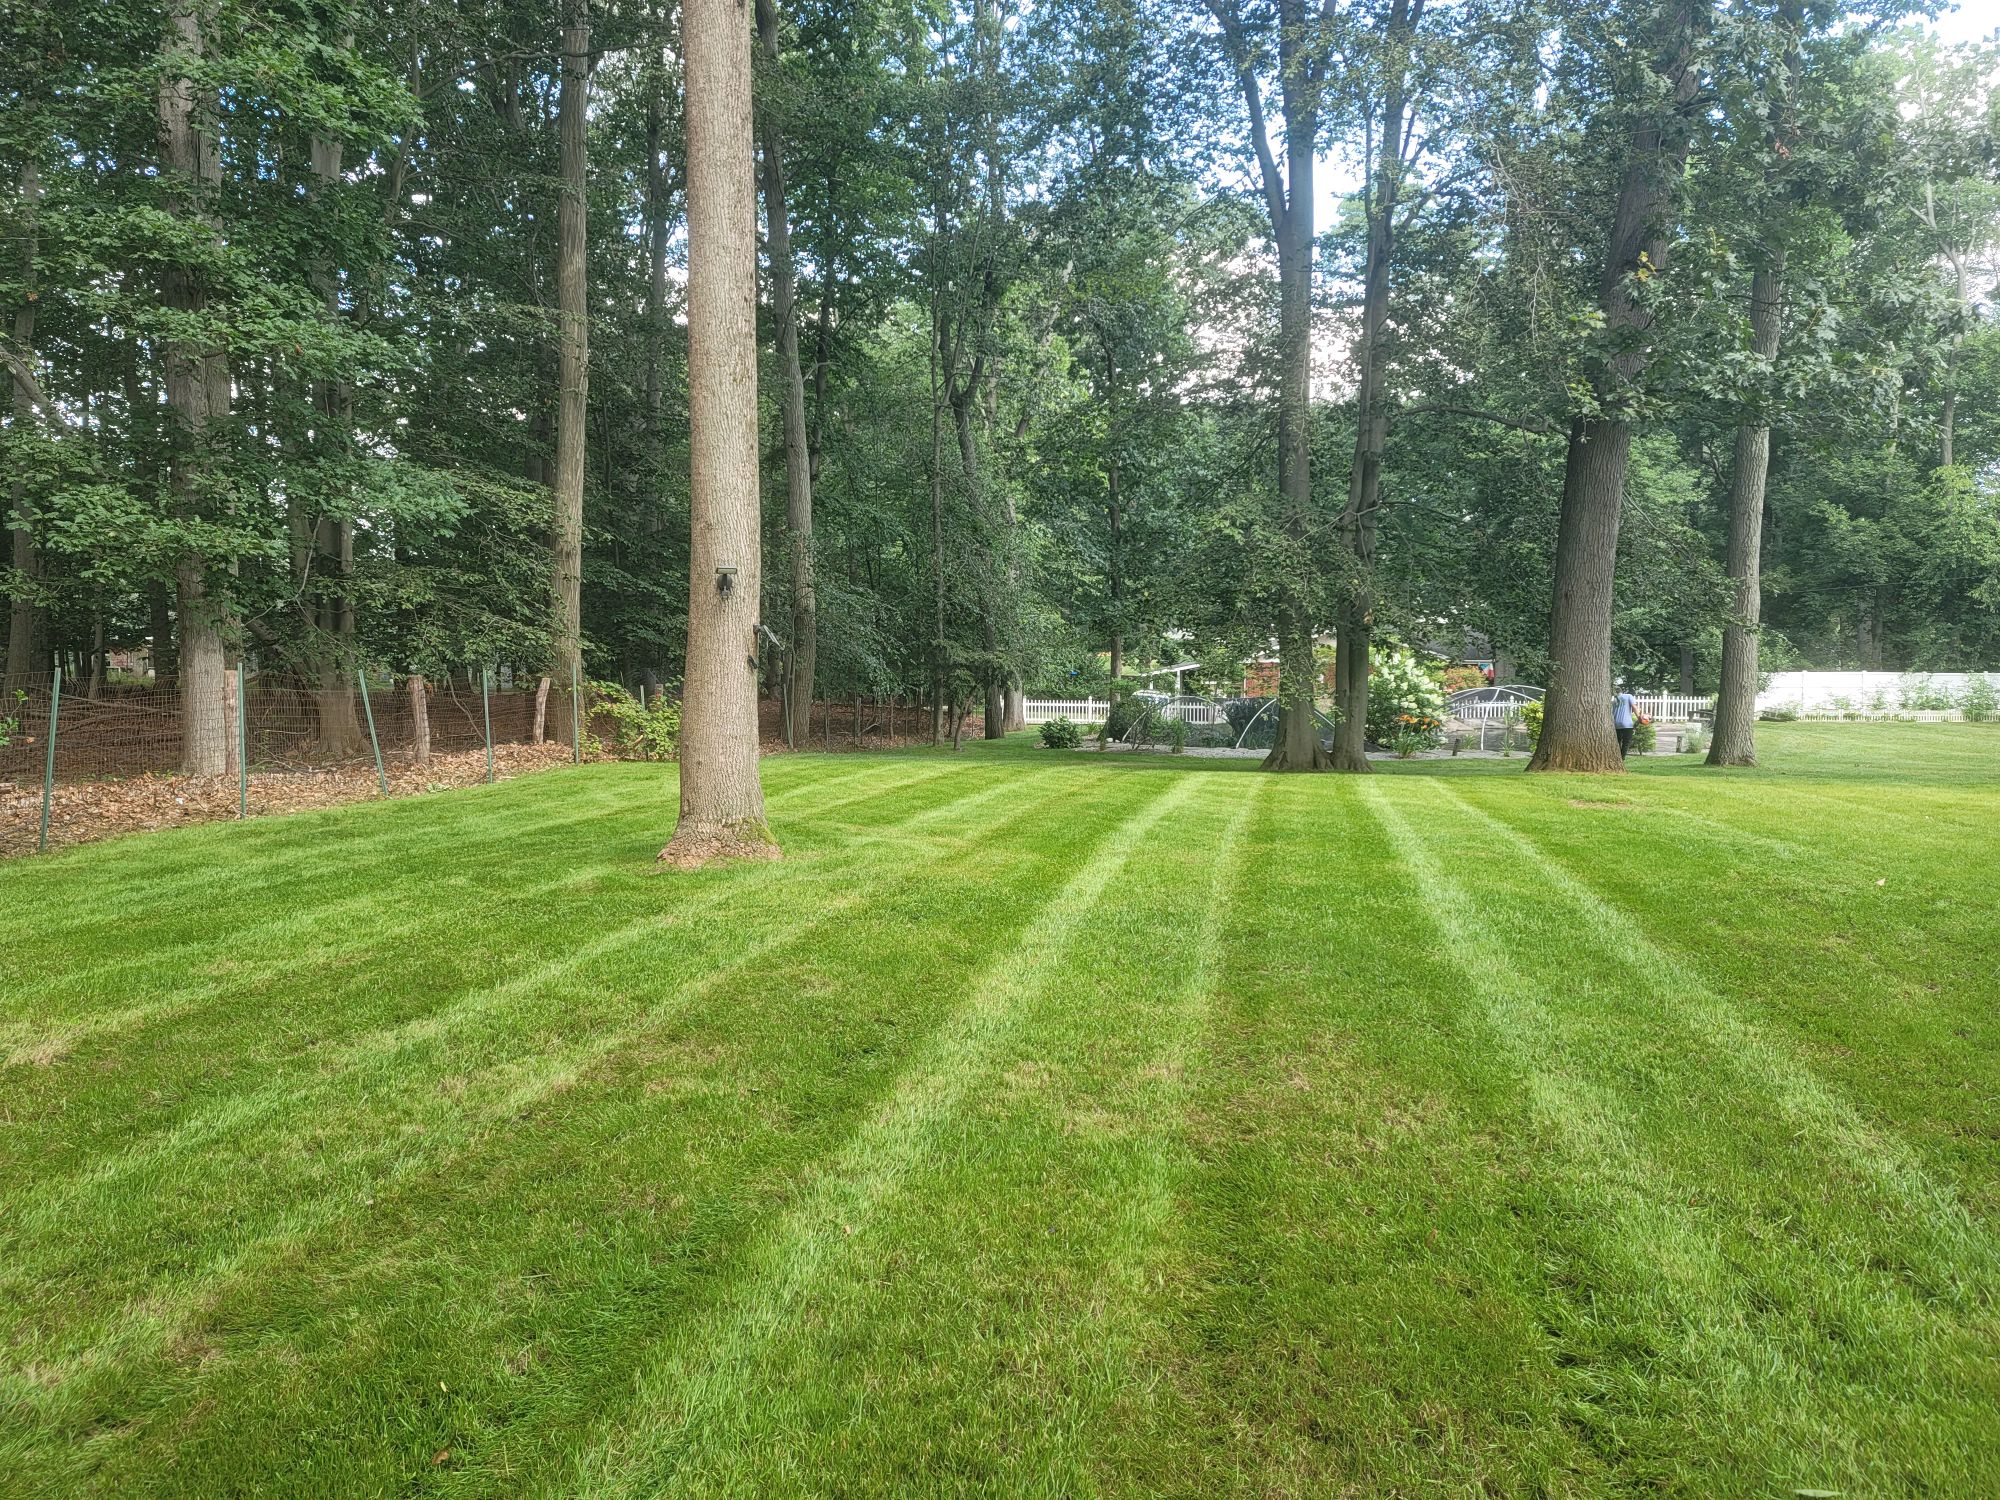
(696, 846)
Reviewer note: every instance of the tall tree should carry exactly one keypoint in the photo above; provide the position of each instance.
(1295, 39)
(1576, 732)
(1735, 739)
(801, 657)
(722, 797)
(24, 614)
(1390, 147)
(197, 378)
(573, 318)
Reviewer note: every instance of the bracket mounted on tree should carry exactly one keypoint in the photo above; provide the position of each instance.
(725, 580)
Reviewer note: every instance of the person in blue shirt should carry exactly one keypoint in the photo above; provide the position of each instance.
(1624, 714)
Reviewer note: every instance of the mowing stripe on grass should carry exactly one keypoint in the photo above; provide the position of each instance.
(442, 1154)
(1814, 1106)
(1684, 1246)
(696, 1385)
(168, 1303)
(386, 1043)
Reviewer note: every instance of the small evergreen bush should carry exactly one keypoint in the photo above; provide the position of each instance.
(1060, 734)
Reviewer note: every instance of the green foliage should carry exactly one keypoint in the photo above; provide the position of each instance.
(1060, 734)
(1979, 702)
(1531, 721)
(1922, 693)
(1645, 737)
(1405, 703)
(651, 731)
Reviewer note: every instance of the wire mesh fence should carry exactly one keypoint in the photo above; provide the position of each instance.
(75, 767)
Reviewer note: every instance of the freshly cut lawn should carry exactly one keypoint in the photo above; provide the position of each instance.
(1043, 1124)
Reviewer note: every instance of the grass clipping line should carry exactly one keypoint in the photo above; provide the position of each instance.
(696, 846)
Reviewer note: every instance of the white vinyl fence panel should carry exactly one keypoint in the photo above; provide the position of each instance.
(1832, 694)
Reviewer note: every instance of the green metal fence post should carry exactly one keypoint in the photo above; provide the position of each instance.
(575, 719)
(242, 745)
(49, 768)
(381, 777)
(486, 708)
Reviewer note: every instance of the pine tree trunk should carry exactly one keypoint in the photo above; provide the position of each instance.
(420, 720)
(573, 354)
(722, 800)
(1577, 732)
(802, 659)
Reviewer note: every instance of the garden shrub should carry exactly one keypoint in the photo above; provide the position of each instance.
(1405, 702)
(1778, 715)
(1923, 694)
(1125, 712)
(1695, 741)
(650, 732)
(1531, 721)
(1645, 738)
(1060, 734)
(1979, 701)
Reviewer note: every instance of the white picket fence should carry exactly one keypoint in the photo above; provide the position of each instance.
(1663, 708)
(1077, 710)
(1092, 710)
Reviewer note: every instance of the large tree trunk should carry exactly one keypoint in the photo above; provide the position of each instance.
(1576, 732)
(802, 659)
(1735, 741)
(722, 800)
(197, 389)
(573, 345)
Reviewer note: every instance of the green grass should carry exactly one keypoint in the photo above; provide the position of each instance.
(1042, 1124)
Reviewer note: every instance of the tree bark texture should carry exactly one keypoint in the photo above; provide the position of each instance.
(722, 799)
(1734, 742)
(1576, 731)
(573, 348)
(1288, 200)
(197, 389)
(1735, 739)
(801, 660)
(420, 720)
(1359, 520)
(24, 665)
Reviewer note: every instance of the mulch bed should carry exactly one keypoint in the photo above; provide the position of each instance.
(83, 811)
